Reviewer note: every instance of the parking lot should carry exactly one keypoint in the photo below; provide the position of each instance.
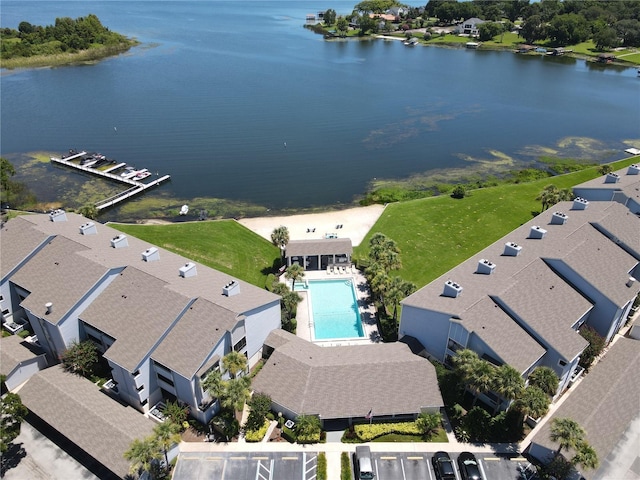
(302, 465)
(246, 466)
(415, 466)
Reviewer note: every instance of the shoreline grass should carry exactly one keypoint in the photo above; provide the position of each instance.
(61, 59)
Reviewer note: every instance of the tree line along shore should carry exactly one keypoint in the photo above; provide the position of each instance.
(67, 41)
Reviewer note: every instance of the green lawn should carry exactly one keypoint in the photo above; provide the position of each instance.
(224, 245)
(436, 234)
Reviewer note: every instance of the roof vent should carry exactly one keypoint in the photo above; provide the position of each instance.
(630, 282)
(537, 232)
(559, 218)
(486, 267)
(58, 215)
(451, 289)
(512, 249)
(49, 308)
(151, 254)
(633, 169)
(612, 177)
(188, 270)
(119, 241)
(232, 288)
(88, 228)
(580, 203)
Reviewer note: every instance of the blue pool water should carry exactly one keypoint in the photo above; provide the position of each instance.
(334, 308)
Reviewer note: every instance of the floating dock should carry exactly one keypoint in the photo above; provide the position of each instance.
(135, 187)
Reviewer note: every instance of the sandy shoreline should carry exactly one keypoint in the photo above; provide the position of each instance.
(355, 224)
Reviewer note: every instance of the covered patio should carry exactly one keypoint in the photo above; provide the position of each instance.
(319, 254)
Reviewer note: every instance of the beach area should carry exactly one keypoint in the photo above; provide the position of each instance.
(353, 223)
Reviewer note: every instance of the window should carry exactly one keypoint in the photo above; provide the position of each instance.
(136, 373)
(140, 388)
(241, 344)
(454, 346)
(562, 363)
(144, 402)
(165, 379)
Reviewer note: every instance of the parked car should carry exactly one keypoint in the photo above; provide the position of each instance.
(469, 468)
(443, 466)
(364, 463)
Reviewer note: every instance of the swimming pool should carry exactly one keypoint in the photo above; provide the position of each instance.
(334, 309)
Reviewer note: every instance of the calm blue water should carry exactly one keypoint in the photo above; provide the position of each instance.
(218, 87)
(335, 309)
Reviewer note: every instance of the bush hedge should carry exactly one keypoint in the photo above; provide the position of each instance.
(257, 435)
(366, 432)
(345, 467)
(321, 469)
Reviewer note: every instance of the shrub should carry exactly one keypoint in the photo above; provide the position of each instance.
(257, 435)
(288, 434)
(428, 423)
(321, 468)
(80, 357)
(271, 278)
(458, 191)
(260, 405)
(367, 432)
(345, 467)
(596, 344)
(176, 413)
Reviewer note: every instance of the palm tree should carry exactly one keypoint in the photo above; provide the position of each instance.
(481, 378)
(549, 196)
(167, 433)
(567, 432)
(384, 252)
(214, 384)
(280, 237)
(585, 456)
(545, 379)
(398, 290)
(237, 393)
(566, 194)
(234, 362)
(142, 453)
(508, 383)
(378, 281)
(533, 402)
(464, 362)
(293, 273)
(307, 425)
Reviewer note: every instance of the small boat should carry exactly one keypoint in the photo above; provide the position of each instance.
(129, 172)
(144, 173)
(472, 45)
(184, 210)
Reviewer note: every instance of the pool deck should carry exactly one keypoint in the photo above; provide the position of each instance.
(367, 310)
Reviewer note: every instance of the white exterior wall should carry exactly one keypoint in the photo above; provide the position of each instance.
(259, 323)
(23, 371)
(429, 327)
(595, 194)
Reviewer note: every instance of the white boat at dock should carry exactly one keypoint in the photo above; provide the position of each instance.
(141, 174)
(184, 210)
(129, 172)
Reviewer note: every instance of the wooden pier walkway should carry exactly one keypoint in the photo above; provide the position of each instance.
(136, 187)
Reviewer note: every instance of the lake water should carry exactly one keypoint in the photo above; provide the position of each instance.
(236, 100)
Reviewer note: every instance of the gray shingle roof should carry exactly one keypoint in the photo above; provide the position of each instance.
(620, 226)
(18, 240)
(207, 283)
(137, 310)
(191, 341)
(347, 381)
(502, 334)
(77, 409)
(551, 319)
(606, 400)
(601, 262)
(14, 350)
(627, 184)
(71, 263)
(59, 274)
(326, 246)
(559, 242)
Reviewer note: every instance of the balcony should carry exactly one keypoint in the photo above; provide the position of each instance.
(576, 375)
